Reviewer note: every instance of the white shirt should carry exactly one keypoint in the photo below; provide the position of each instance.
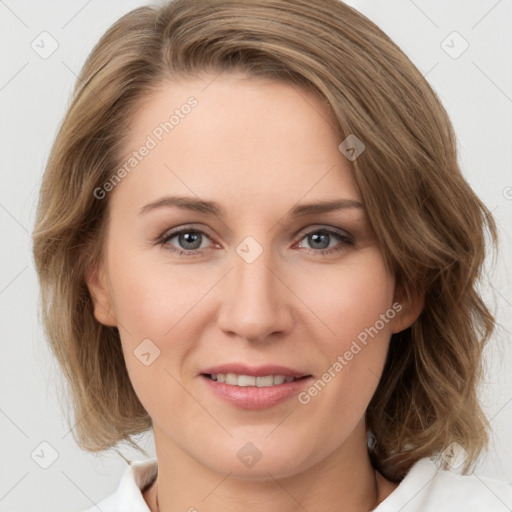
(424, 489)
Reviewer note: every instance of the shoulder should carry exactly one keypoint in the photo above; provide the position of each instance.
(427, 488)
(128, 495)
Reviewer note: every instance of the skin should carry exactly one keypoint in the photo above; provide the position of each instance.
(257, 148)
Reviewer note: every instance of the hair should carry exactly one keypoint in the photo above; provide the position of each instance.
(429, 223)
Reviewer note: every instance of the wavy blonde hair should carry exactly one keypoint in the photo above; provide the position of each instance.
(429, 223)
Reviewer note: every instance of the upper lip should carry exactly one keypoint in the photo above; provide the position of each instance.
(254, 371)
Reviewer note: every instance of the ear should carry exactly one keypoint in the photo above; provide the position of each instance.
(408, 308)
(97, 284)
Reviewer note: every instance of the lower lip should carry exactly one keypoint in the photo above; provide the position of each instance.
(252, 397)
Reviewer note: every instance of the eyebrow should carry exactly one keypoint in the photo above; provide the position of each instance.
(212, 208)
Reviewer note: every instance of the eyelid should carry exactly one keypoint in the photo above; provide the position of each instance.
(185, 227)
(322, 227)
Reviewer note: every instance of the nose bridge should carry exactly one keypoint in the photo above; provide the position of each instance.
(254, 304)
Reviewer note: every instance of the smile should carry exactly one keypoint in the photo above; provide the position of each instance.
(234, 379)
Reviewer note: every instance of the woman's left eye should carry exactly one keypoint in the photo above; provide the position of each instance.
(190, 241)
(321, 239)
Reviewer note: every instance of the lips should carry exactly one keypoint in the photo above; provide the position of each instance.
(249, 387)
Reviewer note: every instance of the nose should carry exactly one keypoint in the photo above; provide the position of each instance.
(255, 300)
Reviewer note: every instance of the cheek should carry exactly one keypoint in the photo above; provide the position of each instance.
(356, 303)
(150, 299)
(152, 303)
(349, 298)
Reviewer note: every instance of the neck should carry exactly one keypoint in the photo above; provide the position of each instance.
(344, 480)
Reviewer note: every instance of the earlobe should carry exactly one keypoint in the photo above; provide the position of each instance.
(410, 309)
(98, 288)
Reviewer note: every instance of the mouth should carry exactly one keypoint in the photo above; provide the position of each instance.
(247, 387)
(241, 380)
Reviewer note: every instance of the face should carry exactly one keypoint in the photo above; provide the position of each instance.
(238, 281)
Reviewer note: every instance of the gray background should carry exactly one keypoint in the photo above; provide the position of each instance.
(475, 87)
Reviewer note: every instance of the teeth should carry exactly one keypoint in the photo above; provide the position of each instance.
(247, 380)
(232, 379)
(264, 382)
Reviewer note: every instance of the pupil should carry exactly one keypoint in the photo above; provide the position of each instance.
(315, 238)
(190, 238)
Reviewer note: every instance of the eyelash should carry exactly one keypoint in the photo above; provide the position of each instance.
(345, 238)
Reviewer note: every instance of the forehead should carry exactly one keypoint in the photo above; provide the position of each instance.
(240, 139)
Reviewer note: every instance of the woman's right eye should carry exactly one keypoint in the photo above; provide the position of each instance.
(188, 241)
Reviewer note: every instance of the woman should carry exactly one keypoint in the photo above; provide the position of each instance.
(210, 146)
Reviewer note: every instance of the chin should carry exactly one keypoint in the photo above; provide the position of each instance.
(261, 459)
